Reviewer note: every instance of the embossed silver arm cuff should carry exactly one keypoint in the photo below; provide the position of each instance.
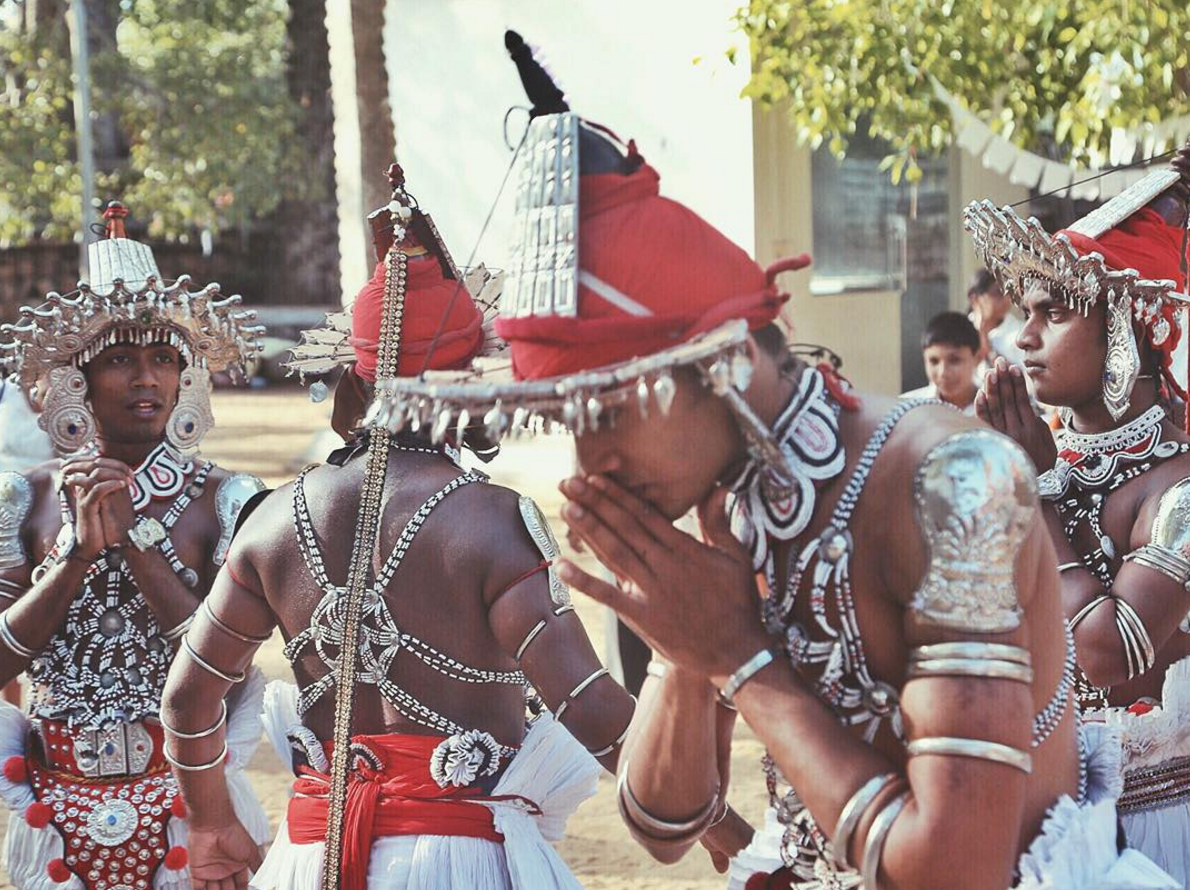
(854, 810)
(983, 668)
(9, 640)
(1165, 560)
(877, 837)
(949, 746)
(207, 666)
(651, 827)
(202, 733)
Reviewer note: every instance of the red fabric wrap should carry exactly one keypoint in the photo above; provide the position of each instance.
(1146, 243)
(427, 294)
(399, 799)
(661, 255)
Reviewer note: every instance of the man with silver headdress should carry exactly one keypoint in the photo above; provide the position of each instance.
(876, 595)
(415, 765)
(104, 558)
(1105, 304)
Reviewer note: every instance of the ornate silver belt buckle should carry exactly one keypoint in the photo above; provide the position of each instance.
(120, 749)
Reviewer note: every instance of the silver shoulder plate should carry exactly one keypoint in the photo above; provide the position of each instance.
(16, 502)
(230, 497)
(976, 494)
(543, 537)
(1171, 526)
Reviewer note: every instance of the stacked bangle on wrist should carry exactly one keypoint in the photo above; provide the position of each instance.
(662, 831)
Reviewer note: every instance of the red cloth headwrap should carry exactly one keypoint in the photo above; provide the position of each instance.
(1144, 242)
(685, 274)
(427, 294)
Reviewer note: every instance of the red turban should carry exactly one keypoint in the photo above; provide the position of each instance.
(653, 274)
(1144, 242)
(427, 294)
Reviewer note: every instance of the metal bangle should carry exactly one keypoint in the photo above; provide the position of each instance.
(193, 767)
(970, 667)
(1164, 560)
(989, 651)
(207, 666)
(177, 631)
(201, 734)
(9, 640)
(948, 746)
(1070, 566)
(877, 836)
(656, 669)
(1087, 610)
(577, 691)
(718, 819)
(230, 631)
(1138, 645)
(529, 638)
(620, 739)
(661, 829)
(853, 811)
(744, 673)
(17, 590)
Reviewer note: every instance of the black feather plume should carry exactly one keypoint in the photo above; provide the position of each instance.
(543, 93)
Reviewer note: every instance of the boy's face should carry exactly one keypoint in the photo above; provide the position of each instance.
(951, 369)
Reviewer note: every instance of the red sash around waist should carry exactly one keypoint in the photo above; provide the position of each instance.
(395, 795)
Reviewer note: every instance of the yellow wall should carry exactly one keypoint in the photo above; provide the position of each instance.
(864, 328)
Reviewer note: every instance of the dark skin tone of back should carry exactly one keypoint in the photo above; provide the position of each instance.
(461, 589)
(131, 390)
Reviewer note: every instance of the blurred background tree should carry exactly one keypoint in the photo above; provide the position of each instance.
(1055, 78)
(209, 118)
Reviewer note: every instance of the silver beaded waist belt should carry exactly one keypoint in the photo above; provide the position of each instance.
(1155, 787)
(120, 749)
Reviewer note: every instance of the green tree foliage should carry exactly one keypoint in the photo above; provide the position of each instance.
(200, 94)
(1054, 77)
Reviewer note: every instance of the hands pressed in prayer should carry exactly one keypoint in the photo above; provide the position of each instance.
(1003, 403)
(695, 604)
(103, 505)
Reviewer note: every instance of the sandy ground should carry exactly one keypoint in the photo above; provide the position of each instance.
(272, 433)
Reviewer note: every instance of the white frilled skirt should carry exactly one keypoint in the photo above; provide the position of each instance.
(1076, 849)
(551, 769)
(27, 851)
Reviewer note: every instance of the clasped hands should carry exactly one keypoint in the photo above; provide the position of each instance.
(695, 604)
(103, 503)
(1003, 403)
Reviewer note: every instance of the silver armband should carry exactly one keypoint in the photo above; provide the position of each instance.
(539, 530)
(1168, 550)
(16, 502)
(230, 497)
(976, 498)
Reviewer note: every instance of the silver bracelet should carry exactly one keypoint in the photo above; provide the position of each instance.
(620, 740)
(656, 669)
(853, 811)
(194, 767)
(201, 734)
(577, 691)
(177, 631)
(744, 673)
(207, 666)
(230, 631)
(877, 835)
(640, 819)
(9, 640)
(1070, 566)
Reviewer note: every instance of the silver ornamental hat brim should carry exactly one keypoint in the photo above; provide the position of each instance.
(446, 402)
(130, 303)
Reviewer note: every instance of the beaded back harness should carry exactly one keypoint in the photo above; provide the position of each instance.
(1091, 466)
(380, 639)
(109, 660)
(845, 683)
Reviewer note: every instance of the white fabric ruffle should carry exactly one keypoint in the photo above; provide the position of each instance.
(27, 851)
(1149, 740)
(1075, 850)
(551, 769)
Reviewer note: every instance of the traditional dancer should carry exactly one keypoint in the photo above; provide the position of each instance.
(459, 610)
(1105, 338)
(904, 659)
(104, 558)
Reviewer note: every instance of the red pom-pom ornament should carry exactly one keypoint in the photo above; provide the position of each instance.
(176, 859)
(178, 807)
(15, 770)
(38, 815)
(58, 871)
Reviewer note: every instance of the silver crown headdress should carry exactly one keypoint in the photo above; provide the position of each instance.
(1022, 255)
(127, 301)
